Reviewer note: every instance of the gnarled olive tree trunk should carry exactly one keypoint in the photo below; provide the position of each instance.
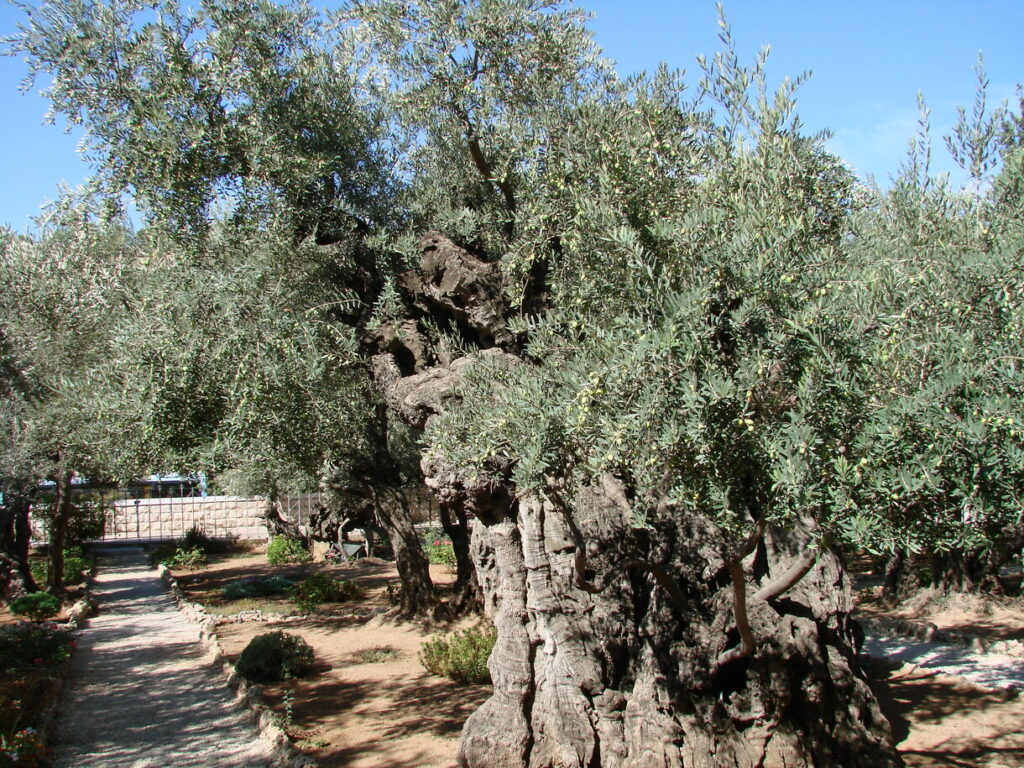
(619, 666)
(617, 645)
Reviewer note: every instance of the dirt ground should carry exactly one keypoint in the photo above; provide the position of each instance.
(370, 703)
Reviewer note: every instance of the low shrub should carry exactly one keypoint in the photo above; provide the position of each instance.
(75, 569)
(40, 571)
(462, 656)
(160, 553)
(196, 538)
(186, 559)
(313, 591)
(36, 605)
(274, 656)
(283, 550)
(26, 647)
(378, 655)
(268, 586)
(24, 749)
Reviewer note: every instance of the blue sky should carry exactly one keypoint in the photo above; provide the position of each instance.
(868, 61)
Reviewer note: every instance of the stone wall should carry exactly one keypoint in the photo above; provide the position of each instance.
(217, 516)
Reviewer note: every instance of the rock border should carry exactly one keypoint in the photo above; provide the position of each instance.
(78, 614)
(246, 694)
(930, 633)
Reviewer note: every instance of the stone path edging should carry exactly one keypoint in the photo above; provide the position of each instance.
(79, 612)
(247, 694)
(930, 633)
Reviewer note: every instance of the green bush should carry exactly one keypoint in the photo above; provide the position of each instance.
(186, 559)
(40, 571)
(36, 605)
(241, 589)
(462, 656)
(438, 547)
(283, 550)
(25, 646)
(75, 569)
(274, 656)
(313, 591)
(196, 538)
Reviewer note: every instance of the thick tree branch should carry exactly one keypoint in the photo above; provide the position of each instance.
(739, 609)
(794, 573)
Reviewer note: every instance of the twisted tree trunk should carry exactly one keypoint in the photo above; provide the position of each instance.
(617, 646)
(626, 669)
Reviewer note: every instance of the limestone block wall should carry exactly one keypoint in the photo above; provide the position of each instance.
(170, 518)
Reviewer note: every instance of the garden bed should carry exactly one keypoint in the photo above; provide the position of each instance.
(369, 701)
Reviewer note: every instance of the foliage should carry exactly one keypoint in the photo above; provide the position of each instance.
(196, 538)
(379, 655)
(75, 569)
(26, 646)
(36, 605)
(24, 749)
(438, 547)
(282, 550)
(186, 559)
(40, 570)
(274, 656)
(267, 586)
(461, 656)
(313, 591)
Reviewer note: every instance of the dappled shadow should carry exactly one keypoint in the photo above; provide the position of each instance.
(989, 670)
(140, 694)
(400, 708)
(909, 696)
(984, 628)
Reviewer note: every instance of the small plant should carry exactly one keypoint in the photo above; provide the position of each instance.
(378, 655)
(40, 571)
(186, 559)
(250, 587)
(24, 749)
(462, 656)
(274, 656)
(25, 646)
(195, 538)
(313, 591)
(162, 552)
(36, 605)
(283, 550)
(75, 569)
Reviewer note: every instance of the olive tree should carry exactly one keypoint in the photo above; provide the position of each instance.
(65, 293)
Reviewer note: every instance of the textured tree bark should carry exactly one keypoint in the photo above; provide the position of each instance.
(417, 596)
(626, 675)
(15, 535)
(612, 646)
(58, 534)
(466, 592)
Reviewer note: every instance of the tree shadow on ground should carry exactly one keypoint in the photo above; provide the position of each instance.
(911, 698)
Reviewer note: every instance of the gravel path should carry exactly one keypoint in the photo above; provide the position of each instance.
(140, 695)
(988, 670)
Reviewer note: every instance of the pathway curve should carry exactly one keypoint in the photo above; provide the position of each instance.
(988, 670)
(140, 694)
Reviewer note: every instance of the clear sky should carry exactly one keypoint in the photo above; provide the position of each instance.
(868, 57)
